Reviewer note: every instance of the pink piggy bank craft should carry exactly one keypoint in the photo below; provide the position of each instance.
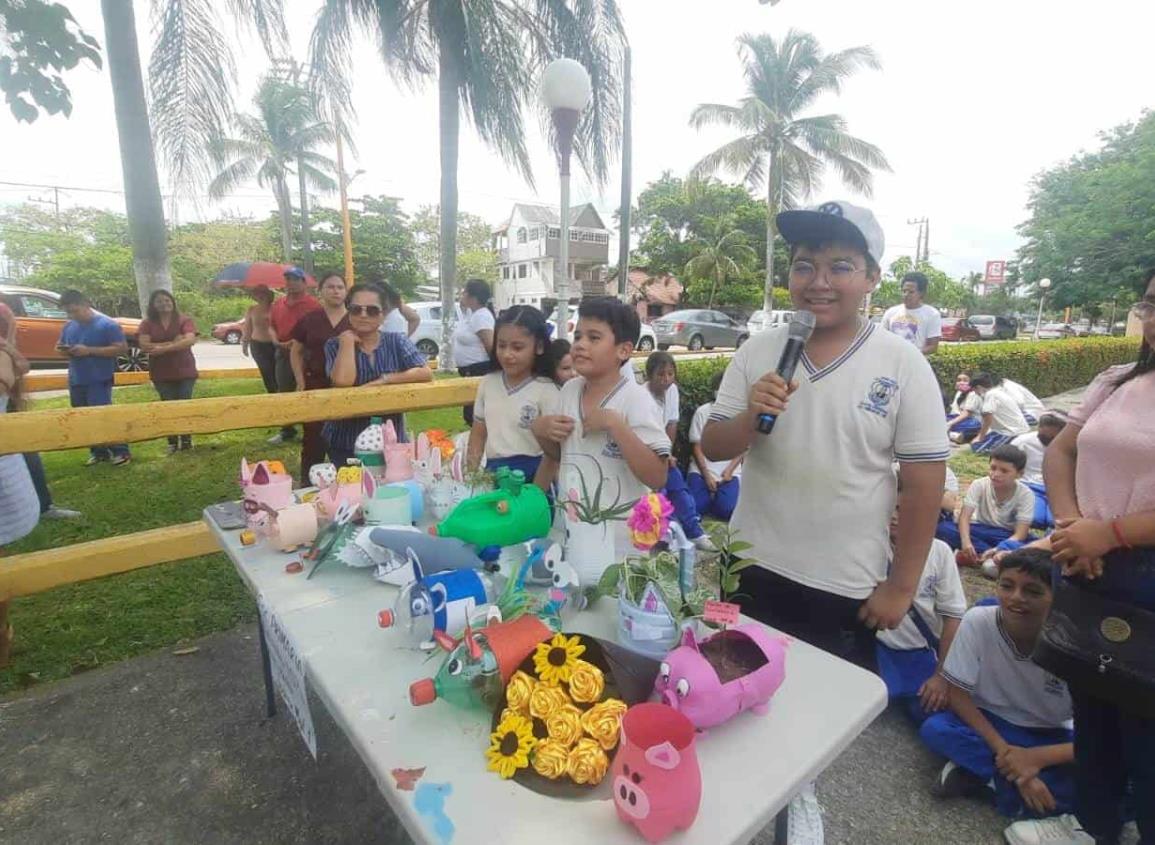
(656, 781)
(717, 678)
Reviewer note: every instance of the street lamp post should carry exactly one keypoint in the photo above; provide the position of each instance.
(566, 89)
(1043, 285)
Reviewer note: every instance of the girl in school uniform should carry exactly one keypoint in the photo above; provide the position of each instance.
(510, 399)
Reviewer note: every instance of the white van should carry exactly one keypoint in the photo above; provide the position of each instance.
(757, 321)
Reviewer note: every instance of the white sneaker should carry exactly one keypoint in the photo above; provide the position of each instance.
(704, 543)
(1056, 830)
(805, 819)
(276, 438)
(60, 513)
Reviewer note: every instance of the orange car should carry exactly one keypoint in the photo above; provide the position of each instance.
(40, 319)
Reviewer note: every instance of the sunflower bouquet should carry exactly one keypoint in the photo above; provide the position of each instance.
(561, 719)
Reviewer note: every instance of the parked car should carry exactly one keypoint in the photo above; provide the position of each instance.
(40, 319)
(957, 329)
(646, 338)
(758, 322)
(229, 332)
(1055, 331)
(427, 338)
(991, 327)
(699, 329)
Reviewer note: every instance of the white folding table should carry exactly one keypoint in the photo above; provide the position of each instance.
(751, 766)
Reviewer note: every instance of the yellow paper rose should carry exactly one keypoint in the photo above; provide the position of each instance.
(518, 690)
(544, 700)
(550, 759)
(586, 683)
(587, 762)
(565, 725)
(604, 721)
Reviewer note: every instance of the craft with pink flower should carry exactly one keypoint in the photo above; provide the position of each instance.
(649, 520)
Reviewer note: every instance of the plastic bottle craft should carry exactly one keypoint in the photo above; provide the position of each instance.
(369, 448)
(398, 456)
(515, 512)
(265, 489)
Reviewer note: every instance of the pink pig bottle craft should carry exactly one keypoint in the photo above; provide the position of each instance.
(657, 785)
(715, 679)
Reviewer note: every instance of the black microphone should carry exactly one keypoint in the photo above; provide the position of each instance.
(801, 325)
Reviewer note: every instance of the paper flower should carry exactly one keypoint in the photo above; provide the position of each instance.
(587, 762)
(586, 683)
(550, 759)
(509, 746)
(565, 725)
(604, 722)
(544, 700)
(649, 520)
(570, 508)
(518, 690)
(554, 660)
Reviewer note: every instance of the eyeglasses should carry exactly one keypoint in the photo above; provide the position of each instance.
(1143, 309)
(837, 273)
(367, 310)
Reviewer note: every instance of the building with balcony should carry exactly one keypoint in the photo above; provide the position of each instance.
(528, 248)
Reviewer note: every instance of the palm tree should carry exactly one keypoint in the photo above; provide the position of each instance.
(283, 131)
(720, 257)
(487, 58)
(780, 150)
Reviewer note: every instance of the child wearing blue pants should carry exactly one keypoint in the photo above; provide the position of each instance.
(964, 419)
(1035, 444)
(713, 484)
(997, 511)
(1008, 726)
(1002, 418)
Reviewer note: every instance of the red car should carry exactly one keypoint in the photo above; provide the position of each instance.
(958, 329)
(229, 332)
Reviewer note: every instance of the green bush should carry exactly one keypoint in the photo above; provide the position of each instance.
(1045, 367)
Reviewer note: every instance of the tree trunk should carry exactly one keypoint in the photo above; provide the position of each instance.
(627, 181)
(285, 213)
(714, 286)
(137, 160)
(450, 129)
(771, 236)
(306, 230)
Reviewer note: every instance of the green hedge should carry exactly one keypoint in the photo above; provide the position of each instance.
(1046, 367)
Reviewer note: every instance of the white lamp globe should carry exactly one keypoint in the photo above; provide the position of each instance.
(565, 84)
(1044, 283)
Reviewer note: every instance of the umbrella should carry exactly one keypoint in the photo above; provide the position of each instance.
(253, 274)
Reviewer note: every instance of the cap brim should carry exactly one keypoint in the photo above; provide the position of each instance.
(816, 227)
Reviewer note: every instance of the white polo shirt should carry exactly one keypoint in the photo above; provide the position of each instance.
(697, 426)
(670, 403)
(1007, 416)
(983, 661)
(1035, 450)
(1029, 403)
(1016, 509)
(818, 492)
(582, 453)
(940, 594)
(509, 411)
(969, 401)
(467, 346)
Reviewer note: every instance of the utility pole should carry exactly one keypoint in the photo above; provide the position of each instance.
(926, 241)
(627, 178)
(920, 222)
(54, 202)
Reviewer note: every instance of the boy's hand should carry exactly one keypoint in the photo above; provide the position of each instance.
(1088, 538)
(886, 607)
(711, 481)
(969, 555)
(1084, 568)
(1037, 796)
(933, 694)
(603, 419)
(554, 427)
(1017, 764)
(770, 394)
(727, 474)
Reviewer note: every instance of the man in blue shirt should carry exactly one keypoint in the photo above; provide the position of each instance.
(92, 342)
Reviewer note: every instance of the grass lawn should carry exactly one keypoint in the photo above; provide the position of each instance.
(82, 626)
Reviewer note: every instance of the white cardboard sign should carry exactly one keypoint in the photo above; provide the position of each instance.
(288, 670)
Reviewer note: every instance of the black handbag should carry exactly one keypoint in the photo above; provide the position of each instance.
(1099, 646)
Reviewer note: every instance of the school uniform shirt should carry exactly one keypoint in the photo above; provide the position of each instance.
(1028, 402)
(584, 453)
(914, 325)
(969, 401)
(697, 426)
(1034, 449)
(467, 346)
(940, 594)
(988, 510)
(670, 404)
(99, 331)
(1007, 416)
(817, 494)
(950, 485)
(173, 366)
(508, 411)
(984, 661)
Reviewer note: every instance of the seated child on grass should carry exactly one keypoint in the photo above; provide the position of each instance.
(1034, 444)
(713, 484)
(1002, 418)
(1008, 725)
(997, 510)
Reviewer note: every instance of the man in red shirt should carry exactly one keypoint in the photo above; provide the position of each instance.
(283, 317)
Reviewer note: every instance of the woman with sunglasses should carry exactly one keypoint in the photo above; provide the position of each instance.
(363, 355)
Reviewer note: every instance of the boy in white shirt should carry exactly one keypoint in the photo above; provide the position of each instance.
(818, 490)
(1034, 444)
(1030, 404)
(713, 484)
(913, 320)
(997, 510)
(1002, 419)
(607, 428)
(1008, 728)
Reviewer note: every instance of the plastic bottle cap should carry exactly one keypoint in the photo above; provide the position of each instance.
(422, 692)
(433, 530)
(385, 619)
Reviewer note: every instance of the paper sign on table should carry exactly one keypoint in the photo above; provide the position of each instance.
(721, 613)
(288, 670)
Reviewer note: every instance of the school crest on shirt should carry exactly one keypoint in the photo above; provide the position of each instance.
(612, 449)
(929, 587)
(1054, 686)
(878, 397)
(527, 415)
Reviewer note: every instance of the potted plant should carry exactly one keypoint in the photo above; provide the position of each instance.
(589, 531)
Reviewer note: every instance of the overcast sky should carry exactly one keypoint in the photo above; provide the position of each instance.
(973, 99)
